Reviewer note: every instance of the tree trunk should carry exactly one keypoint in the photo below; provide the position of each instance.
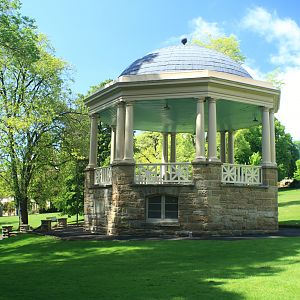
(23, 211)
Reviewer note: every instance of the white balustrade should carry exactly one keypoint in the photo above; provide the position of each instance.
(103, 176)
(241, 174)
(163, 173)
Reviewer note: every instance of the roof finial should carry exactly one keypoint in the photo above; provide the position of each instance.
(184, 41)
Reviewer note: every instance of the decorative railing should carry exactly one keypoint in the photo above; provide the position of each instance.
(163, 173)
(241, 174)
(103, 176)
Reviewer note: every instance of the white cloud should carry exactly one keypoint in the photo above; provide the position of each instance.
(202, 29)
(284, 33)
(199, 29)
(256, 73)
(289, 111)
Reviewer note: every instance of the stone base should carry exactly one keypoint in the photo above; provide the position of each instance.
(205, 207)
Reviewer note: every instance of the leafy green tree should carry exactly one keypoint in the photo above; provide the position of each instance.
(228, 45)
(68, 177)
(185, 147)
(255, 159)
(249, 141)
(71, 199)
(33, 101)
(242, 148)
(297, 143)
(147, 147)
(297, 172)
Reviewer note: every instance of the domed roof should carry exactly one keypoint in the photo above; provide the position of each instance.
(184, 58)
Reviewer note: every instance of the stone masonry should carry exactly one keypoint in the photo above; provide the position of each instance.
(205, 207)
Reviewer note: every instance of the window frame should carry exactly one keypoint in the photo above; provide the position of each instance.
(163, 210)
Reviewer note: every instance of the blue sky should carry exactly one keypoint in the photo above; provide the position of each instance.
(101, 38)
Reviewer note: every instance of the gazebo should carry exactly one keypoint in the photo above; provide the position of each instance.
(184, 88)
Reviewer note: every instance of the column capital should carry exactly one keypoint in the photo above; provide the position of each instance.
(121, 102)
(94, 116)
(129, 103)
(201, 99)
(265, 108)
(211, 100)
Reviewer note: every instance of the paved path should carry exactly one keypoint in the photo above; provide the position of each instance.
(73, 232)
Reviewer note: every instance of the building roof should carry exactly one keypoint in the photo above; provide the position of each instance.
(184, 58)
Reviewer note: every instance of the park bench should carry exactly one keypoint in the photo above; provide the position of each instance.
(53, 219)
(46, 225)
(6, 231)
(62, 222)
(24, 228)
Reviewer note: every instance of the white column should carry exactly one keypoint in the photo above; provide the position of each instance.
(266, 153)
(112, 143)
(231, 147)
(173, 147)
(120, 130)
(212, 130)
(165, 148)
(272, 137)
(200, 133)
(93, 141)
(128, 153)
(223, 146)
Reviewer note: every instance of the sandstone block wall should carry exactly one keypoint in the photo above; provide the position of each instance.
(205, 207)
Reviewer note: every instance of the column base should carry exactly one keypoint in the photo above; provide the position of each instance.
(90, 167)
(213, 159)
(268, 164)
(128, 161)
(199, 159)
(123, 162)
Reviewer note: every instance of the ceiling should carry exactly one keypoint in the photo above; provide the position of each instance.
(179, 115)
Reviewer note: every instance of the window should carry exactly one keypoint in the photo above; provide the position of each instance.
(162, 208)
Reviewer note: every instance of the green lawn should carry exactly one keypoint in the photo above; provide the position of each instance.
(289, 207)
(35, 267)
(34, 220)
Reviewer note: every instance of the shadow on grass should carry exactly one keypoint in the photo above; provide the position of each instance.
(289, 203)
(291, 223)
(43, 266)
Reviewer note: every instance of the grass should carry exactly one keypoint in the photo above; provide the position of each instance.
(41, 267)
(289, 207)
(35, 267)
(34, 220)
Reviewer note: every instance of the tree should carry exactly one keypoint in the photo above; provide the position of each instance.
(248, 148)
(33, 102)
(71, 199)
(148, 147)
(226, 45)
(297, 172)
(297, 143)
(73, 155)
